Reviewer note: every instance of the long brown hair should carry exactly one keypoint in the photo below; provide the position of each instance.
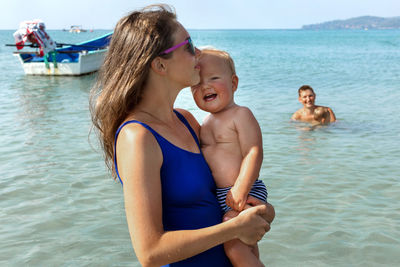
(138, 38)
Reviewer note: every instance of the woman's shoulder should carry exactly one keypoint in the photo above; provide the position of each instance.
(132, 132)
(136, 147)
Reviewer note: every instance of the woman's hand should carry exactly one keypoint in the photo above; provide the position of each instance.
(252, 224)
(270, 215)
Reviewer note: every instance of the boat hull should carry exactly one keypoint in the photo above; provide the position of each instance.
(88, 62)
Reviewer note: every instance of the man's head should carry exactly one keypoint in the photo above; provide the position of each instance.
(307, 96)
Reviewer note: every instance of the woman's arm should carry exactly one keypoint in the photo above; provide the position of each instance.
(139, 162)
(250, 141)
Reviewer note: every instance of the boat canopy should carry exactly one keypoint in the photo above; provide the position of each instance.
(35, 32)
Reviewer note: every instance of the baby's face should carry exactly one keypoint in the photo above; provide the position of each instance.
(217, 84)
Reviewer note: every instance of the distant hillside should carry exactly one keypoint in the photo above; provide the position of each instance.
(364, 23)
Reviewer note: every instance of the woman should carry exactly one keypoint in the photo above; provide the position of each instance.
(172, 213)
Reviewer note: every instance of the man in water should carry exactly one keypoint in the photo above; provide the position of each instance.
(307, 112)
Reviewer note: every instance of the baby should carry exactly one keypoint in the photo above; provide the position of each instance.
(321, 115)
(231, 142)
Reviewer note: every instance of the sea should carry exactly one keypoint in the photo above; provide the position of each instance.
(336, 189)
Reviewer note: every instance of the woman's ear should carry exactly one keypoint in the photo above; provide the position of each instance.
(158, 65)
(235, 82)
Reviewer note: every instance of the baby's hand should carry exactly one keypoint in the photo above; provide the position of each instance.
(253, 201)
(236, 200)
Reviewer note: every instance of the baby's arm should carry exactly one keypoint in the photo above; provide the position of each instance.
(332, 115)
(250, 141)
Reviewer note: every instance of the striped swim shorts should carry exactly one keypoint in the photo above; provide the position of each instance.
(258, 190)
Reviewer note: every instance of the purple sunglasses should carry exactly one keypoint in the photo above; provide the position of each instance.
(192, 49)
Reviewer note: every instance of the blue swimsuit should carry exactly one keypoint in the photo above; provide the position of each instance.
(188, 195)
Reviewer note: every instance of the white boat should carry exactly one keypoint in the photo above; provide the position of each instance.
(77, 59)
(76, 29)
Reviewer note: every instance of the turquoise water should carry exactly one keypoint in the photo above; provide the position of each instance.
(336, 189)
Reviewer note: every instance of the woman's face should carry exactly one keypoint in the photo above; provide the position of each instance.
(183, 68)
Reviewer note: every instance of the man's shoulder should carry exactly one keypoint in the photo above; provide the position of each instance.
(297, 115)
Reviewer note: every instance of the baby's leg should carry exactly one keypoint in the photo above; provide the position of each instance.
(240, 254)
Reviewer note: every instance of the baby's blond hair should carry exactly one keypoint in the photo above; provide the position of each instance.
(321, 113)
(221, 54)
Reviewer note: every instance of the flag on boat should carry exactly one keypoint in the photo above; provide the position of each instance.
(34, 32)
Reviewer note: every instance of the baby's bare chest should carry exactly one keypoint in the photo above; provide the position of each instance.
(212, 134)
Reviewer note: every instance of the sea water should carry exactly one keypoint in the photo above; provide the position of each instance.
(336, 189)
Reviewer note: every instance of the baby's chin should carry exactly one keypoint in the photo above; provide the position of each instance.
(206, 109)
(218, 109)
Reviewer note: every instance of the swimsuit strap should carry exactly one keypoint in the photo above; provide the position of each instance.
(183, 119)
(179, 115)
(115, 142)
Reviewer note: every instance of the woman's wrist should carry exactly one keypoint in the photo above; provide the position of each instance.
(234, 226)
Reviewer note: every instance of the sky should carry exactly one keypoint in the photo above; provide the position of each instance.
(195, 14)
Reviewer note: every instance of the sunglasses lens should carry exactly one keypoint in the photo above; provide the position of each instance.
(192, 48)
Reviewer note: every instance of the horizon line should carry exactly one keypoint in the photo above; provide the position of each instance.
(201, 29)
(212, 29)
